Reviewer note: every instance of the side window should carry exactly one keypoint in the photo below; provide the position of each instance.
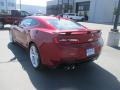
(25, 22)
(34, 22)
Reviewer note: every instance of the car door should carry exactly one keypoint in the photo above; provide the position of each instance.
(33, 23)
(20, 31)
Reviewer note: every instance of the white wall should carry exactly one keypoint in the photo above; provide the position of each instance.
(2, 7)
(101, 11)
(11, 7)
(8, 6)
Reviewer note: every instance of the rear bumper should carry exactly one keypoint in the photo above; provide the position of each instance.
(53, 55)
(78, 62)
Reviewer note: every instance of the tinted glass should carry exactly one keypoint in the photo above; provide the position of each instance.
(37, 23)
(63, 24)
(26, 22)
(34, 22)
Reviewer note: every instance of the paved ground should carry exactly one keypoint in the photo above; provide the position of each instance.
(16, 72)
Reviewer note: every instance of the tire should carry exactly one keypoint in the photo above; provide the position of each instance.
(11, 37)
(1, 25)
(34, 56)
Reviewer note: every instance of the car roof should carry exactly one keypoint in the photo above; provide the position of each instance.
(42, 17)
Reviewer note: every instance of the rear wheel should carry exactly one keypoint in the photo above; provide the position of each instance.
(35, 57)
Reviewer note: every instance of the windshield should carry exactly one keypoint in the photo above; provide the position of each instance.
(63, 24)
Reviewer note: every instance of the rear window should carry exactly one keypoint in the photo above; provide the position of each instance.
(63, 24)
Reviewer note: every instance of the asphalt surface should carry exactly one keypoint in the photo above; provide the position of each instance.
(16, 72)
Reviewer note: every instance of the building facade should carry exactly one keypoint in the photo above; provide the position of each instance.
(102, 11)
(52, 7)
(98, 11)
(7, 5)
(60, 6)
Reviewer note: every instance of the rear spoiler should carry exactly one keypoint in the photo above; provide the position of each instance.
(71, 32)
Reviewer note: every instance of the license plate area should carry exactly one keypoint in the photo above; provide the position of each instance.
(90, 51)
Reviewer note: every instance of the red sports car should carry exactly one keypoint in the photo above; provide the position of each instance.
(53, 41)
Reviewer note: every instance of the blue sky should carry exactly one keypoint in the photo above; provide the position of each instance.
(34, 2)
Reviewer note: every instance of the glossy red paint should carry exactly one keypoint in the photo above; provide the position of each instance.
(57, 47)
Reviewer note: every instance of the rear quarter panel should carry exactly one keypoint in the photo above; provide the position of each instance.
(41, 36)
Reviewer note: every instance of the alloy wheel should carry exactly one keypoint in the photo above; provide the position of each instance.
(34, 56)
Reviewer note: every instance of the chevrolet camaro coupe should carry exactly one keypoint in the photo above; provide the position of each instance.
(53, 41)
